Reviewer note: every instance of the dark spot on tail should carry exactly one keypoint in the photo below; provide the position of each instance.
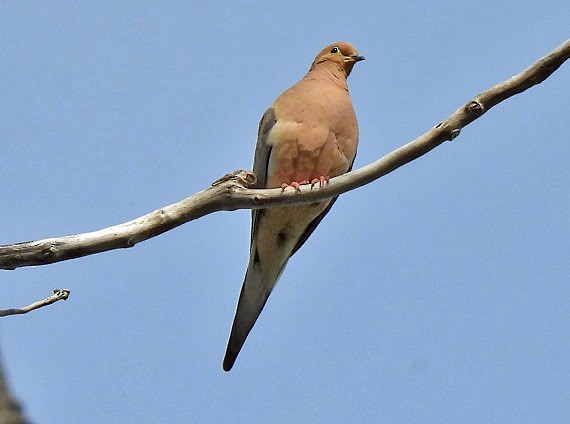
(256, 257)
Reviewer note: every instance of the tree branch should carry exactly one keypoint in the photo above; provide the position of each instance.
(57, 295)
(234, 190)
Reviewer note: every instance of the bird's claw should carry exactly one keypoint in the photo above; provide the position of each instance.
(295, 184)
(321, 181)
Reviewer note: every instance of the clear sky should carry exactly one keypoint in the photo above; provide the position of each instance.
(438, 294)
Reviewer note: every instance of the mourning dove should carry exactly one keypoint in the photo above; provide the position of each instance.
(308, 135)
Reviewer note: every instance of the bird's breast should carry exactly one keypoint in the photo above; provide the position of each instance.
(305, 150)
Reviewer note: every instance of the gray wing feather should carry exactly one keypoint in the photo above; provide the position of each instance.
(254, 294)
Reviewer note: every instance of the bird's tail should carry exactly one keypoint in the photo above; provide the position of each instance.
(254, 294)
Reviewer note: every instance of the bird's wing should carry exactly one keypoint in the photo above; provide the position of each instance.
(254, 292)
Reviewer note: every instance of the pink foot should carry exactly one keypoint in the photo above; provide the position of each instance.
(321, 181)
(294, 184)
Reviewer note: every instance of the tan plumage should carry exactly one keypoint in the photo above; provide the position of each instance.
(308, 134)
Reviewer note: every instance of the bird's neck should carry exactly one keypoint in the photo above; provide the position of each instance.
(330, 72)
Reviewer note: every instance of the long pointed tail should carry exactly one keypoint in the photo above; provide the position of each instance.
(251, 301)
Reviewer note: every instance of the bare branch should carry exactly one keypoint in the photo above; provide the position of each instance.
(234, 190)
(57, 295)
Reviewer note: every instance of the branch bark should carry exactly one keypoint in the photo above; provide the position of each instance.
(234, 191)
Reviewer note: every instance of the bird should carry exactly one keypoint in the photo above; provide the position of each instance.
(308, 135)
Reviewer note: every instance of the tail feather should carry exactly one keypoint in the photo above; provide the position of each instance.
(251, 301)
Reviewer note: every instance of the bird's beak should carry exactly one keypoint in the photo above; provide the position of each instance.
(354, 58)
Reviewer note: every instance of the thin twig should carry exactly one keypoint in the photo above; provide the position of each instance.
(234, 190)
(56, 296)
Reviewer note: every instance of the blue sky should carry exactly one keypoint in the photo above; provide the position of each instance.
(439, 293)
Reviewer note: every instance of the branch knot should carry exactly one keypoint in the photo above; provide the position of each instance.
(242, 177)
(475, 108)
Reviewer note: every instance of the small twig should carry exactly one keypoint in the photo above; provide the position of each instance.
(231, 192)
(57, 295)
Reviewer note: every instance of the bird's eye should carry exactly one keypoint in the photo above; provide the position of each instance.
(335, 50)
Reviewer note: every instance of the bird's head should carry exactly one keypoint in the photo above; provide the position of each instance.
(343, 55)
